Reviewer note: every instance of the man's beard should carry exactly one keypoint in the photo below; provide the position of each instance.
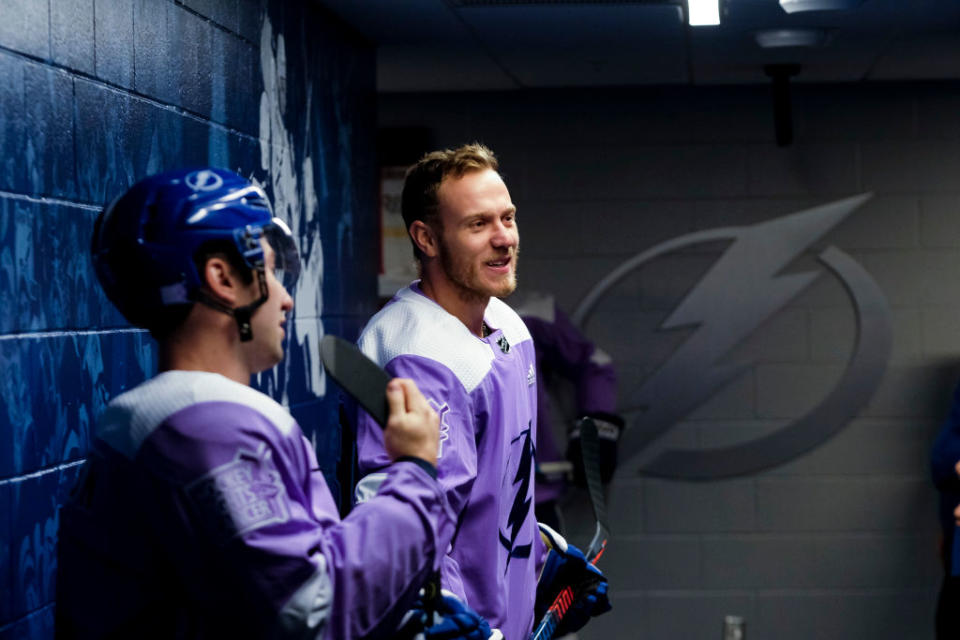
(466, 280)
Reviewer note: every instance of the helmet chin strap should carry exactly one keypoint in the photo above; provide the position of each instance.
(242, 314)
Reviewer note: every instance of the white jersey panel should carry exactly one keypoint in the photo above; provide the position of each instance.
(423, 328)
(131, 417)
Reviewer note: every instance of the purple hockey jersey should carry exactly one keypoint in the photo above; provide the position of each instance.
(486, 395)
(202, 513)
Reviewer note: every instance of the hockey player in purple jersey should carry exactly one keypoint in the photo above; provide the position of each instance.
(473, 358)
(201, 512)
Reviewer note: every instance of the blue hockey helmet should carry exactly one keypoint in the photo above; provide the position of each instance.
(145, 242)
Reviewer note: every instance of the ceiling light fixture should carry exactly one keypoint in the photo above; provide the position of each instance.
(779, 38)
(796, 6)
(703, 13)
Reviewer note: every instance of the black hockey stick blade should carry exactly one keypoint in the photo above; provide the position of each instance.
(358, 375)
(590, 449)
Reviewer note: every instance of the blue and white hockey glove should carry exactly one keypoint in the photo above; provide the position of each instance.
(566, 566)
(450, 619)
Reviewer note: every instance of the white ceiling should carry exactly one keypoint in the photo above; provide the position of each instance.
(456, 45)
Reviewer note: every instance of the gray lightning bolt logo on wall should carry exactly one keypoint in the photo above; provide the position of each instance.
(738, 293)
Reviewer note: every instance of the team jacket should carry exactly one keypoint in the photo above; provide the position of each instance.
(486, 395)
(202, 513)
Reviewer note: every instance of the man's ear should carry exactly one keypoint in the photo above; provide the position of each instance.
(220, 279)
(425, 238)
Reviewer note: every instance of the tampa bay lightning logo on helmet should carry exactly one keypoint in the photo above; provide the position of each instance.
(145, 242)
(204, 180)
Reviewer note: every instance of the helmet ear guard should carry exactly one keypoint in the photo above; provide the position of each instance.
(242, 314)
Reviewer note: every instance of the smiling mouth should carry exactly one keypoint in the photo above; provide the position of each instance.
(499, 264)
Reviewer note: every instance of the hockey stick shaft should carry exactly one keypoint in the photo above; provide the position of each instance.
(551, 619)
(590, 450)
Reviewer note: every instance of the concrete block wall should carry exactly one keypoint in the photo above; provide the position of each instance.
(96, 94)
(841, 542)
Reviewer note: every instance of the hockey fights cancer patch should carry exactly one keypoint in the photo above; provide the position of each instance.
(240, 496)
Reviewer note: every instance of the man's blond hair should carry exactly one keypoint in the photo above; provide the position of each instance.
(420, 199)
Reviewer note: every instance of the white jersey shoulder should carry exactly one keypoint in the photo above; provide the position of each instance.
(500, 316)
(132, 416)
(413, 324)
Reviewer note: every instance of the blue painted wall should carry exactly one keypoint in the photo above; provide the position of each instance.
(95, 94)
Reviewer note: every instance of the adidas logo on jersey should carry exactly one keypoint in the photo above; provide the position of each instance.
(531, 376)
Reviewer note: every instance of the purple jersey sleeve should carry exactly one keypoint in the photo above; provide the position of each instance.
(221, 523)
(262, 501)
(457, 451)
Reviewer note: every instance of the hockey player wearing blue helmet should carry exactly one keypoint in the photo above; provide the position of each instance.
(201, 512)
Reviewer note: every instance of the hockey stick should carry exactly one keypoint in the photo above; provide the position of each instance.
(366, 383)
(359, 376)
(590, 449)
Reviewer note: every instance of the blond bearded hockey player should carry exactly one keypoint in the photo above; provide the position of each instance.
(473, 358)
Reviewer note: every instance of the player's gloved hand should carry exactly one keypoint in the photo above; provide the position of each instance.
(446, 618)
(566, 566)
(609, 428)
